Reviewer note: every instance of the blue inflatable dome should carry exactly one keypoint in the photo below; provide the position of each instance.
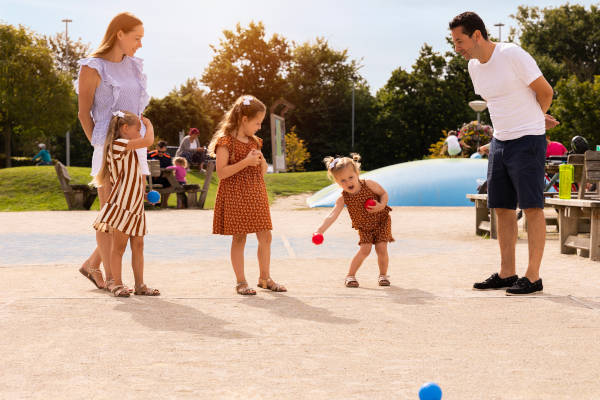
(435, 182)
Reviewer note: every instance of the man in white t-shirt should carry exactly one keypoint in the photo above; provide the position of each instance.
(518, 97)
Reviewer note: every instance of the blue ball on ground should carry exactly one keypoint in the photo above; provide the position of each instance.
(430, 391)
(153, 196)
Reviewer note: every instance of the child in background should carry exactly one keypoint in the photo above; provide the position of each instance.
(373, 222)
(123, 213)
(180, 168)
(242, 205)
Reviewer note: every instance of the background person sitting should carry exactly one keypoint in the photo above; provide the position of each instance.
(180, 169)
(190, 148)
(161, 154)
(43, 156)
(554, 148)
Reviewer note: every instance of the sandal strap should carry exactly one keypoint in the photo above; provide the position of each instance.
(350, 278)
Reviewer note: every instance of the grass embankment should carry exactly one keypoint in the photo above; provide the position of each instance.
(37, 188)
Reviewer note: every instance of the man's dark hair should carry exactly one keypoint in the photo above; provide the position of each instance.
(161, 143)
(470, 22)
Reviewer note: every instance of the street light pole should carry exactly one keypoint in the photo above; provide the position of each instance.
(353, 116)
(478, 106)
(68, 135)
(499, 25)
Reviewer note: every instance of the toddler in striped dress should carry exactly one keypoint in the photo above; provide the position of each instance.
(123, 214)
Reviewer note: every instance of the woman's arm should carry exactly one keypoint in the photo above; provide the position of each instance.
(379, 191)
(143, 141)
(225, 170)
(333, 215)
(89, 80)
(183, 146)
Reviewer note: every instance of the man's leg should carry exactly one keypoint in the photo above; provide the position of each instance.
(536, 238)
(507, 240)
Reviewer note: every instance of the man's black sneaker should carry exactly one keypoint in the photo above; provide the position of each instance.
(524, 286)
(494, 282)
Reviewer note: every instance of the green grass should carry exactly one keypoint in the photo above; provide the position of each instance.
(37, 188)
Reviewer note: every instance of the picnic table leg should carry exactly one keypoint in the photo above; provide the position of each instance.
(210, 167)
(567, 222)
(595, 235)
(164, 200)
(481, 214)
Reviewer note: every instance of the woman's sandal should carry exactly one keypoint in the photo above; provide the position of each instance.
(383, 280)
(119, 290)
(270, 284)
(108, 284)
(243, 289)
(351, 281)
(94, 275)
(146, 291)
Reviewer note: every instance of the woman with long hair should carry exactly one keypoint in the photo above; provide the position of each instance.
(110, 79)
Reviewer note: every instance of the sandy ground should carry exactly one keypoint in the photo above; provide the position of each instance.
(63, 339)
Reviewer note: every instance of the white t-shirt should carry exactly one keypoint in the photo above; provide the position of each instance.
(504, 82)
(453, 145)
(193, 145)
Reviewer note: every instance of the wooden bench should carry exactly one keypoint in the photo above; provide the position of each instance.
(79, 197)
(155, 172)
(485, 219)
(188, 196)
(579, 218)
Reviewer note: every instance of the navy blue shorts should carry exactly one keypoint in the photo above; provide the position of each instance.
(516, 172)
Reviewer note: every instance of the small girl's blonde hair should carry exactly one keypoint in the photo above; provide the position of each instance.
(180, 160)
(339, 163)
(119, 119)
(245, 106)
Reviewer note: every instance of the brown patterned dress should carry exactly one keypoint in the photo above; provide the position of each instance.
(372, 227)
(242, 205)
(124, 209)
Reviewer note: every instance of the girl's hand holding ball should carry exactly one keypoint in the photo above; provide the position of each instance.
(373, 206)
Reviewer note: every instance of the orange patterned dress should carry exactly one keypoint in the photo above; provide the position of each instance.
(372, 227)
(242, 205)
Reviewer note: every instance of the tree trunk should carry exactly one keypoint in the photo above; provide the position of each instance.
(7, 140)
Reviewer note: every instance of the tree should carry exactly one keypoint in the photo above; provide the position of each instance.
(413, 108)
(181, 109)
(568, 35)
(66, 55)
(246, 63)
(296, 154)
(577, 108)
(35, 98)
(320, 82)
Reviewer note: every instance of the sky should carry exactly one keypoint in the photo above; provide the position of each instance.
(383, 34)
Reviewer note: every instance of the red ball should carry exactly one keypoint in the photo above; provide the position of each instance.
(370, 203)
(317, 238)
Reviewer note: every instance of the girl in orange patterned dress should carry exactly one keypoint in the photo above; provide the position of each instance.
(373, 222)
(242, 205)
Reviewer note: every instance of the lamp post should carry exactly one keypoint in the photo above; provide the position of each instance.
(499, 25)
(68, 135)
(478, 106)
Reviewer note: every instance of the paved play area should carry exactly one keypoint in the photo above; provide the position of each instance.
(63, 339)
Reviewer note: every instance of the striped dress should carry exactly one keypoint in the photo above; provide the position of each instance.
(124, 210)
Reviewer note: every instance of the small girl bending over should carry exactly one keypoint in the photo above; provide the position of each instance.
(123, 213)
(242, 205)
(180, 168)
(367, 205)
